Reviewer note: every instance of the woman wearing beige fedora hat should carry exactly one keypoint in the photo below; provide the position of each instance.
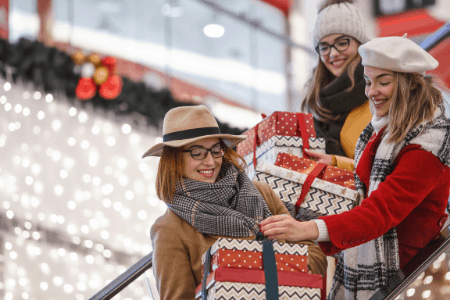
(402, 174)
(202, 180)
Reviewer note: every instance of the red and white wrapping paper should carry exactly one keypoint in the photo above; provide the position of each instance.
(322, 198)
(278, 123)
(247, 254)
(279, 132)
(225, 284)
(303, 165)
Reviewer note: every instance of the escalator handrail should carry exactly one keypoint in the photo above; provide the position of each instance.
(124, 279)
(417, 266)
(437, 37)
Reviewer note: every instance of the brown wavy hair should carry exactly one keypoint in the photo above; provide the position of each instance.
(414, 101)
(320, 78)
(171, 164)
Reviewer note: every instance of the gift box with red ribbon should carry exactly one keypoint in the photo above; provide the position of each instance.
(306, 166)
(225, 283)
(321, 190)
(280, 132)
(247, 254)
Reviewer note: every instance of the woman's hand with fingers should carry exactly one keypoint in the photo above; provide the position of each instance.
(286, 227)
(321, 157)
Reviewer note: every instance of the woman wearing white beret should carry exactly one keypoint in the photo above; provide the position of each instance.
(402, 174)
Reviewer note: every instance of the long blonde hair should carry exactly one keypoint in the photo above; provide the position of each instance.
(321, 77)
(170, 169)
(414, 101)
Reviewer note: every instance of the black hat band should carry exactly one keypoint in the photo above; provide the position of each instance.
(190, 133)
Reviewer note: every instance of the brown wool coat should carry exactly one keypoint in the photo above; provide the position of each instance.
(178, 248)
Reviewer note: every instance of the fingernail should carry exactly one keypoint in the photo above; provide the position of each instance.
(260, 230)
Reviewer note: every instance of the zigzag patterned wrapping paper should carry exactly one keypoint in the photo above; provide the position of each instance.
(226, 284)
(323, 198)
(269, 150)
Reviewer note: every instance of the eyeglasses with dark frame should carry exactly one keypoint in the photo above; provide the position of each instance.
(200, 153)
(324, 49)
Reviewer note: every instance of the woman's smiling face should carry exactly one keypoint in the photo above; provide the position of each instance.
(206, 169)
(337, 61)
(379, 89)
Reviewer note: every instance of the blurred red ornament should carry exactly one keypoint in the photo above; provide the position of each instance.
(111, 64)
(86, 89)
(111, 88)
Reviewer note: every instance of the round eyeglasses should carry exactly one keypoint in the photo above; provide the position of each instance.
(324, 49)
(200, 153)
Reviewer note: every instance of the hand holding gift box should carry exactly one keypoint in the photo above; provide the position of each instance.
(279, 132)
(333, 194)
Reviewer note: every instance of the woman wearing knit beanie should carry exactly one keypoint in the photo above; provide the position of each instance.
(335, 92)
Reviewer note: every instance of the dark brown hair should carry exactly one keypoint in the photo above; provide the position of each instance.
(321, 77)
(170, 169)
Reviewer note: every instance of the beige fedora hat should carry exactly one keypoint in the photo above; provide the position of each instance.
(186, 124)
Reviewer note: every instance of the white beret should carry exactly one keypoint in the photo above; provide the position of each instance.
(398, 54)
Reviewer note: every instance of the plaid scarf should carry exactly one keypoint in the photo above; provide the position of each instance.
(361, 271)
(232, 206)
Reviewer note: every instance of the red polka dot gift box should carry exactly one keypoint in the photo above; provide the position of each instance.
(245, 269)
(247, 254)
(306, 166)
(307, 188)
(280, 132)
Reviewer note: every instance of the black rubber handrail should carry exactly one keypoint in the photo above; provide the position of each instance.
(419, 264)
(124, 279)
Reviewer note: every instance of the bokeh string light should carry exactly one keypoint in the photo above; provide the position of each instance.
(78, 200)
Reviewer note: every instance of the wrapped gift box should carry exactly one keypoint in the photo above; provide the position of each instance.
(247, 254)
(321, 199)
(279, 132)
(226, 283)
(269, 150)
(303, 165)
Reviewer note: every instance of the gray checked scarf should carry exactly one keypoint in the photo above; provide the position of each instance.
(232, 206)
(361, 271)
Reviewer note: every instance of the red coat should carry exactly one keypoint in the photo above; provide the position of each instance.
(413, 198)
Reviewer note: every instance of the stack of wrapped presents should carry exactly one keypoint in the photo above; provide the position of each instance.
(236, 271)
(274, 153)
(280, 132)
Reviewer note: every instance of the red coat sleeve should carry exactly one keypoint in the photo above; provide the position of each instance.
(412, 179)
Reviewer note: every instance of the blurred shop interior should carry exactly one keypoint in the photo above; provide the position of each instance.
(77, 200)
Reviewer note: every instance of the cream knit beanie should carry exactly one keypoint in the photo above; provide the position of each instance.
(340, 17)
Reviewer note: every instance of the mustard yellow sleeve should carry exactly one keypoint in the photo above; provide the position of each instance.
(345, 163)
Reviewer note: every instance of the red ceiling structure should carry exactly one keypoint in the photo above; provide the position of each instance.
(283, 5)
